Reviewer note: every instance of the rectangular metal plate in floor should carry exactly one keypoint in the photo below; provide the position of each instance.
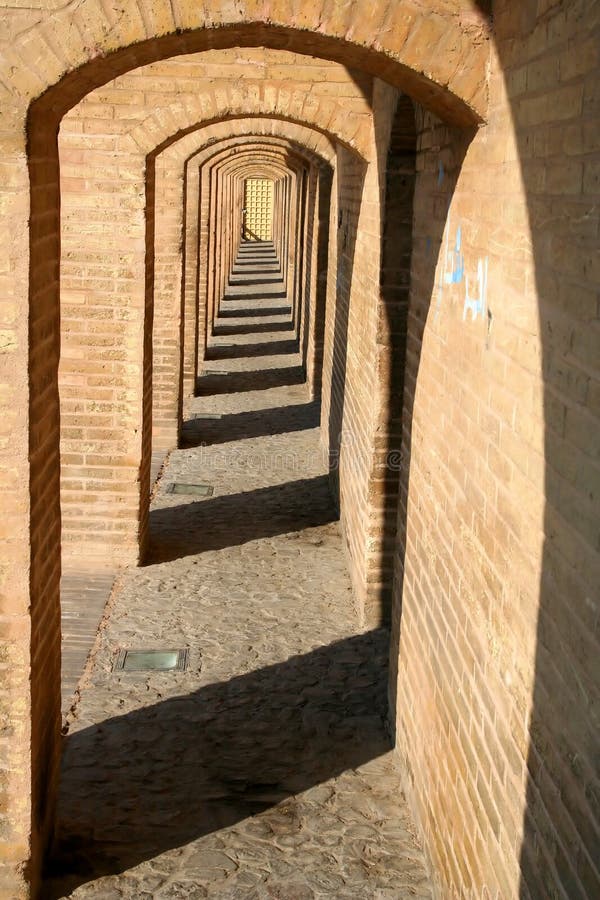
(151, 660)
(199, 490)
(209, 416)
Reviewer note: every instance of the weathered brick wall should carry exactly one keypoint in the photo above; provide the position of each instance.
(197, 235)
(316, 291)
(103, 292)
(308, 293)
(45, 48)
(167, 302)
(498, 562)
(354, 414)
(104, 142)
(348, 309)
(551, 68)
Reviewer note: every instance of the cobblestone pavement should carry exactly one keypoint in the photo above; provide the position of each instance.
(263, 770)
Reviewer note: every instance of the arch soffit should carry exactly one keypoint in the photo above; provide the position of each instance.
(437, 55)
(239, 146)
(174, 121)
(312, 143)
(197, 149)
(234, 167)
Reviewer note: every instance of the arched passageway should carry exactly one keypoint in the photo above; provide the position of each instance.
(491, 341)
(279, 651)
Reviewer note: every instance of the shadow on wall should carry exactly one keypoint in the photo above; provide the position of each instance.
(559, 850)
(406, 326)
(350, 178)
(561, 842)
(395, 270)
(322, 265)
(216, 756)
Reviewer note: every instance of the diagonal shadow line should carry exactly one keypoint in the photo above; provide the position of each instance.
(232, 296)
(256, 380)
(268, 255)
(243, 351)
(159, 777)
(256, 246)
(253, 312)
(199, 526)
(255, 266)
(244, 279)
(244, 275)
(253, 328)
(255, 423)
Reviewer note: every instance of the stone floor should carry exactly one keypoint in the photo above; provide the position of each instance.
(263, 770)
(83, 598)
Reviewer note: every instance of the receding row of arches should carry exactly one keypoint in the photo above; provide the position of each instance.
(134, 153)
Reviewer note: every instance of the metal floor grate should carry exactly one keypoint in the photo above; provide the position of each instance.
(151, 660)
(198, 490)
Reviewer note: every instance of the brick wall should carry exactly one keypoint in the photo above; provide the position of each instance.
(105, 440)
(357, 354)
(343, 383)
(495, 608)
(197, 232)
(497, 564)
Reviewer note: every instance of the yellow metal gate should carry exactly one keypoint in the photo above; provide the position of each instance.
(258, 201)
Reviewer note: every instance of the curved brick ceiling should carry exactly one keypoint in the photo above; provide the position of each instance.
(436, 52)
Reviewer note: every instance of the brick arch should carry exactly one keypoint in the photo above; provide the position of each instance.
(276, 159)
(199, 147)
(438, 56)
(47, 74)
(282, 160)
(147, 138)
(518, 59)
(258, 161)
(304, 138)
(183, 311)
(329, 118)
(80, 522)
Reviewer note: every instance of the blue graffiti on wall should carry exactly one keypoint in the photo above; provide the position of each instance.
(455, 261)
(477, 304)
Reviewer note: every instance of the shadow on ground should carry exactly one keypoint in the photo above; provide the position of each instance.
(256, 328)
(251, 424)
(258, 380)
(221, 522)
(261, 348)
(262, 312)
(246, 278)
(234, 295)
(159, 777)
